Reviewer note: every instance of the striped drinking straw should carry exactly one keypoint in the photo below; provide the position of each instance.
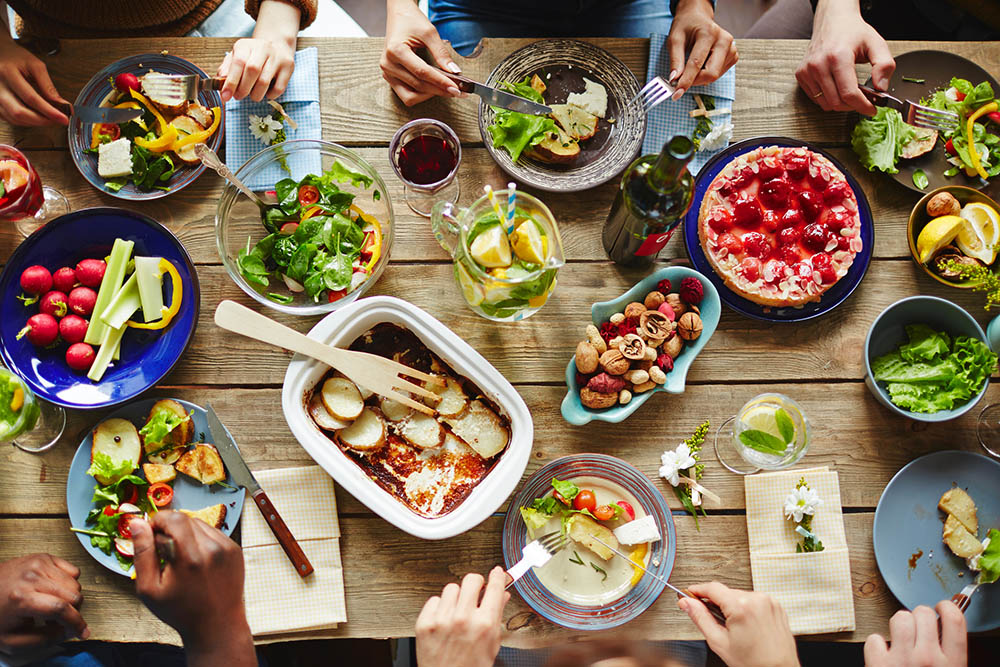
(511, 206)
(493, 202)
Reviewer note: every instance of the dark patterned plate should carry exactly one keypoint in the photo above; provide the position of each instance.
(563, 64)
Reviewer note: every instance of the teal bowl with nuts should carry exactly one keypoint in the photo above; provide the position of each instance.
(710, 308)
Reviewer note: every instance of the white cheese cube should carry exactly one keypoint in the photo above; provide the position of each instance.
(594, 98)
(638, 531)
(114, 159)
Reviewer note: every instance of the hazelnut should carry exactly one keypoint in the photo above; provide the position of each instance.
(653, 300)
(645, 386)
(594, 336)
(624, 396)
(617, 318)
(689, 327)
(633, 347)
(673, 346)
(634, 309)
(657, 375)
(596, 401)
(637, 376)
(614, 362)
(586, 357)
(943, 203)
(676, 304)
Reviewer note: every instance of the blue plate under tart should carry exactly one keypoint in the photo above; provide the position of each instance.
(834, 296)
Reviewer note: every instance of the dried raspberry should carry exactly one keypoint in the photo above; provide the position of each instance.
(608, 331)
(582, 379)
(692, 291)
(665, 362)
(629, 326)
(603, 383)
(663, 286)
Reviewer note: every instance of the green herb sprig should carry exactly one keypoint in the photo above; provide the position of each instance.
(767, 443)
(985, 280)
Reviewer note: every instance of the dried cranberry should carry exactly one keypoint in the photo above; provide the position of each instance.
(771, 221)
(789, 236)
(692, 291)
(750, 269)
(665, 362)
(602, 383)
(812, 204)
(756, 245)
(769, 168)
(608, 331)
(774, 193)
(821, 179)
(663, 286)
(814, 236)
(731, 243)
(746, 212)
(821, 260)
(629, 326)
(720, 220)
(836, 193)
(797, 166)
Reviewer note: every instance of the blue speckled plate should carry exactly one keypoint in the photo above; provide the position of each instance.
(711, 309)
(146, 356)
(834, 296)
(907, 522)
(189, 494)
(98, 88)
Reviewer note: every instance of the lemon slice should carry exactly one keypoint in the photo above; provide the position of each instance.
(938, 233)
(972, 244)
(491, 248)
(528, 243)
(471, 290)
(761, 418)
(14, 176)
(986, 222)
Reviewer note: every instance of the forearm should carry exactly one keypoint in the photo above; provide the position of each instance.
(231, 646)
(278, 21)
(678, 7)
(825, 7)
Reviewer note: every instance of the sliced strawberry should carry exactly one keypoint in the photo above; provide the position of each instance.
(843, 243)
(769, 167)
(756, 245)
(720, 220)
(743, 178)
(821, 260)
(790, 254)
(836, 193)
(797, 166)
(774, 193)
(815, 236)
(821, 179)
(771, 221)
(789, 236)
(827, 275)
(791, 218)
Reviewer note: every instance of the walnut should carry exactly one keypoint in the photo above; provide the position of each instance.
(624, 396)
(633, 347)
(657, 375)
(634, 309)
(614, 362)
(594, 336)
(617, 318)
(655, 325)
(673, 346)
(586, 357)
(676, 304)
(689, 327)
(943, 203)
(605, 384)
(654, 299)
(595, 401)
(645, 386)
(637, 376)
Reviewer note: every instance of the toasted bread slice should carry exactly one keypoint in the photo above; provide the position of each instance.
(583, 529)
(537, 84)
(201, 114)
(394, 411)
(451, 400)
(186, 125)
(169, 107)
(961, 542)
(480, 428)
(342, 398)
(366, 434)
(960, 505)
(322, 416)
(556, 148)
(578, 123)
(203, 463)
(119, 440)
(182, 434)
(422, 431)
(214, 516)
(158, 472)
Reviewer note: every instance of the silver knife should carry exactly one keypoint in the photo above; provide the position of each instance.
(99, 114)
(496, 97)
(715, 610)
(241, 474)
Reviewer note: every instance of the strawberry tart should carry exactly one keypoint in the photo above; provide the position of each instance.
(780, 225)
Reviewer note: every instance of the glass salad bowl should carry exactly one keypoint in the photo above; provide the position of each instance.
(333, 256)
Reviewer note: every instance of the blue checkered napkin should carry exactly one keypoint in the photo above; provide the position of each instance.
(301, 102)
(671, 118)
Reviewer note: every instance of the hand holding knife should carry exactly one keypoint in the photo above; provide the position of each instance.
(496, 97)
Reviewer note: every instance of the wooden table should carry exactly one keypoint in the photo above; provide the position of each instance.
(389, 574)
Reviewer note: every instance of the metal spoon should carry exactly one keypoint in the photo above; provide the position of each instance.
(210, 159)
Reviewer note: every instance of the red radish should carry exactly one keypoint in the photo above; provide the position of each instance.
(80, 356)
(72, 329)
(41, 330)
(368, 247)
(82, 300)
(125, 547)
(129, 508)
(36, 280)
(64, 279)
(90, 272)
(126, 81)
(288, 228)
(54, 303)
(629, 510)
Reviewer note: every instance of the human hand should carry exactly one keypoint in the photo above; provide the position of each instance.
(711, 50)
(914, 639)
(39, 587)
(27, 93)
(260, 66)
(200, 591)
(840, 39)
(455, 628)
(412, 79)
(756, 633)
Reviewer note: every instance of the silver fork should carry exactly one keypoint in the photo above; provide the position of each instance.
(180, 86)
(537, 554)
(913, 113)
(655, 91)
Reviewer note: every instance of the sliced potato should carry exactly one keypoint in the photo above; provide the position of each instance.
(186, 125)
(480, 428)
(166, 456)
(322, 416)
(201, 114)
(119, 440)
(960, 505)
(556, 148)
(451, 400)
(366, 434)
(167, 106)
(538, 84)
(181, 436)
(203, 463)
(583, 530)
(422, 431)
(214, 516)
(394, 411)
(342, 398)
(961, 542)
(156, 472)
(922, 142)
(578, 123)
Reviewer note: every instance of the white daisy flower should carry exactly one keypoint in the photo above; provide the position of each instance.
(264, 128)
(800, 502)
(673, 462)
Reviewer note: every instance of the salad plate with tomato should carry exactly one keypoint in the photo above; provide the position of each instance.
(150, 455)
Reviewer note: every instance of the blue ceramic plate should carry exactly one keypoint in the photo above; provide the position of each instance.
(189, 494)
(99, 87)
(661, 560)
(907, 523)
(146, 356)
(573, 410)
(834, 296)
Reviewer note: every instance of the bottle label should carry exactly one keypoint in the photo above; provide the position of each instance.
(653, 244)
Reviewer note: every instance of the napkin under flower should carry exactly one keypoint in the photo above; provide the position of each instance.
(813, 588)
(277, 599)
(671, 117)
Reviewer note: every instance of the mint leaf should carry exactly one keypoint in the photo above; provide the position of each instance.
(762, 442)
(786, 427)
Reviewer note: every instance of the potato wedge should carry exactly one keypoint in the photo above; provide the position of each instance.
(960, 505)
(537, 84)
(480, 428)
(393, 410)
(342, 398)
(168, 107)
(203, 463)
(187, 125)
(322, 416)
(119, 440)
(422, 431)
(156, 472)
(366, 434)
(214, 516)
(556, 148)
(583, 529)
(451, 401)
(201, 114)
(961, 542)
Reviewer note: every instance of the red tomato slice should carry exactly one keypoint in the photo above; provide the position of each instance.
(308, 195)
(560, 497)
(585, 500)
(124, 527)
(334, 296)
(109, 510)
(949, 147)
(629, 510)
(603, 512)
(110, 129)
(160, 494)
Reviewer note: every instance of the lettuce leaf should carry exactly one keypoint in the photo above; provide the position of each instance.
(160, 425)
(879, 141)
(925, 343)
(518, 131)
(534, 519)
(102, 465)
(989, 561)
(566, 489)
(523, 89)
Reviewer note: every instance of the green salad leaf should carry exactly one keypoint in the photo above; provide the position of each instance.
(566, 489)
(102, 465)
(517, 132)
(161, 425)
(879, 141)
(989, 561)
(534, 519)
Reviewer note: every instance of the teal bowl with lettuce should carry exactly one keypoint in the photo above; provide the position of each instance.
(927, 359)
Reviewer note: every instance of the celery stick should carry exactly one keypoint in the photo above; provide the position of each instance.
(113, 278)
(123, 305)
(118, 351)
(150, 287)
(112, 337)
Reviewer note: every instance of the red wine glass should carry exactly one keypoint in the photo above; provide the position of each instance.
(24, 199)
(425, 154)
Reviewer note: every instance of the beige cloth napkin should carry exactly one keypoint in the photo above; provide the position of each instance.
(813, 588)
(277, 599)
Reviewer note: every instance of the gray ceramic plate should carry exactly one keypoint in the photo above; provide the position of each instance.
(563, 63)
(915, 563)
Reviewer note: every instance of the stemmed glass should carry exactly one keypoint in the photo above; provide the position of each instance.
(770, 432)
(24, 199)
(988, 429)
(26, 421)
(425, 154)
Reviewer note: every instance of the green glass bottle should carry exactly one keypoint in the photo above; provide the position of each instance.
(655, 194)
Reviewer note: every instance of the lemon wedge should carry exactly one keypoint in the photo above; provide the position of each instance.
(528, 243)
(985, 222)
(491, 248)
(471, 290)
(938, 233)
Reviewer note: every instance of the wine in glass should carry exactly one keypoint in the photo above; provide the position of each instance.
(425, 154)
(24, 200)
(25, 421)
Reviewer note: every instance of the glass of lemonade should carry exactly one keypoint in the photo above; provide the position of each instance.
(505, 267)
(770, 432)
(25, 421)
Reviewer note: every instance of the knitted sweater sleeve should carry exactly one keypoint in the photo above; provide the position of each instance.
(307, 9)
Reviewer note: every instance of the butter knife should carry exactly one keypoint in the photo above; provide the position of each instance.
(99, 114)
(496, 97)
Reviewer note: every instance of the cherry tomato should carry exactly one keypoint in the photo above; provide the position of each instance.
(110, 130)
(949, 147)
(124, 525)
(585, 500)
(603, 512)
(288, 228)
(109, 510)
(560, 497)
(959, 95)
(308, 195)
(629, 510)
(160, 494)
(335, 295)
(131, 494)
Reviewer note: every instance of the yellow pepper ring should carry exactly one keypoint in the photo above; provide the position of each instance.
(175, 302)
(199, 137)
(973, 153)
(377, 248)
(637, 556)
(310, 212)
(136, 95)
(161, 144)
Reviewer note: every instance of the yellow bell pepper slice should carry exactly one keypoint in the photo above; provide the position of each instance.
(162, 143)
(139, 97)
(200, 137)
(377, 249)
(310, 212)
(637, 556)
(132, 105)
(169, 312)
(973, 153)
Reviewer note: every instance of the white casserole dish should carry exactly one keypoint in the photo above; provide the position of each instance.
(343, 327)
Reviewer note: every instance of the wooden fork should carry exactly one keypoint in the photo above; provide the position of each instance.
(375, 373)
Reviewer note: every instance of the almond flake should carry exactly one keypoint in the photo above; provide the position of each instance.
(831, 244)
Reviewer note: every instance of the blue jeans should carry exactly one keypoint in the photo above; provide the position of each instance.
(465, 22)
(107, 654)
